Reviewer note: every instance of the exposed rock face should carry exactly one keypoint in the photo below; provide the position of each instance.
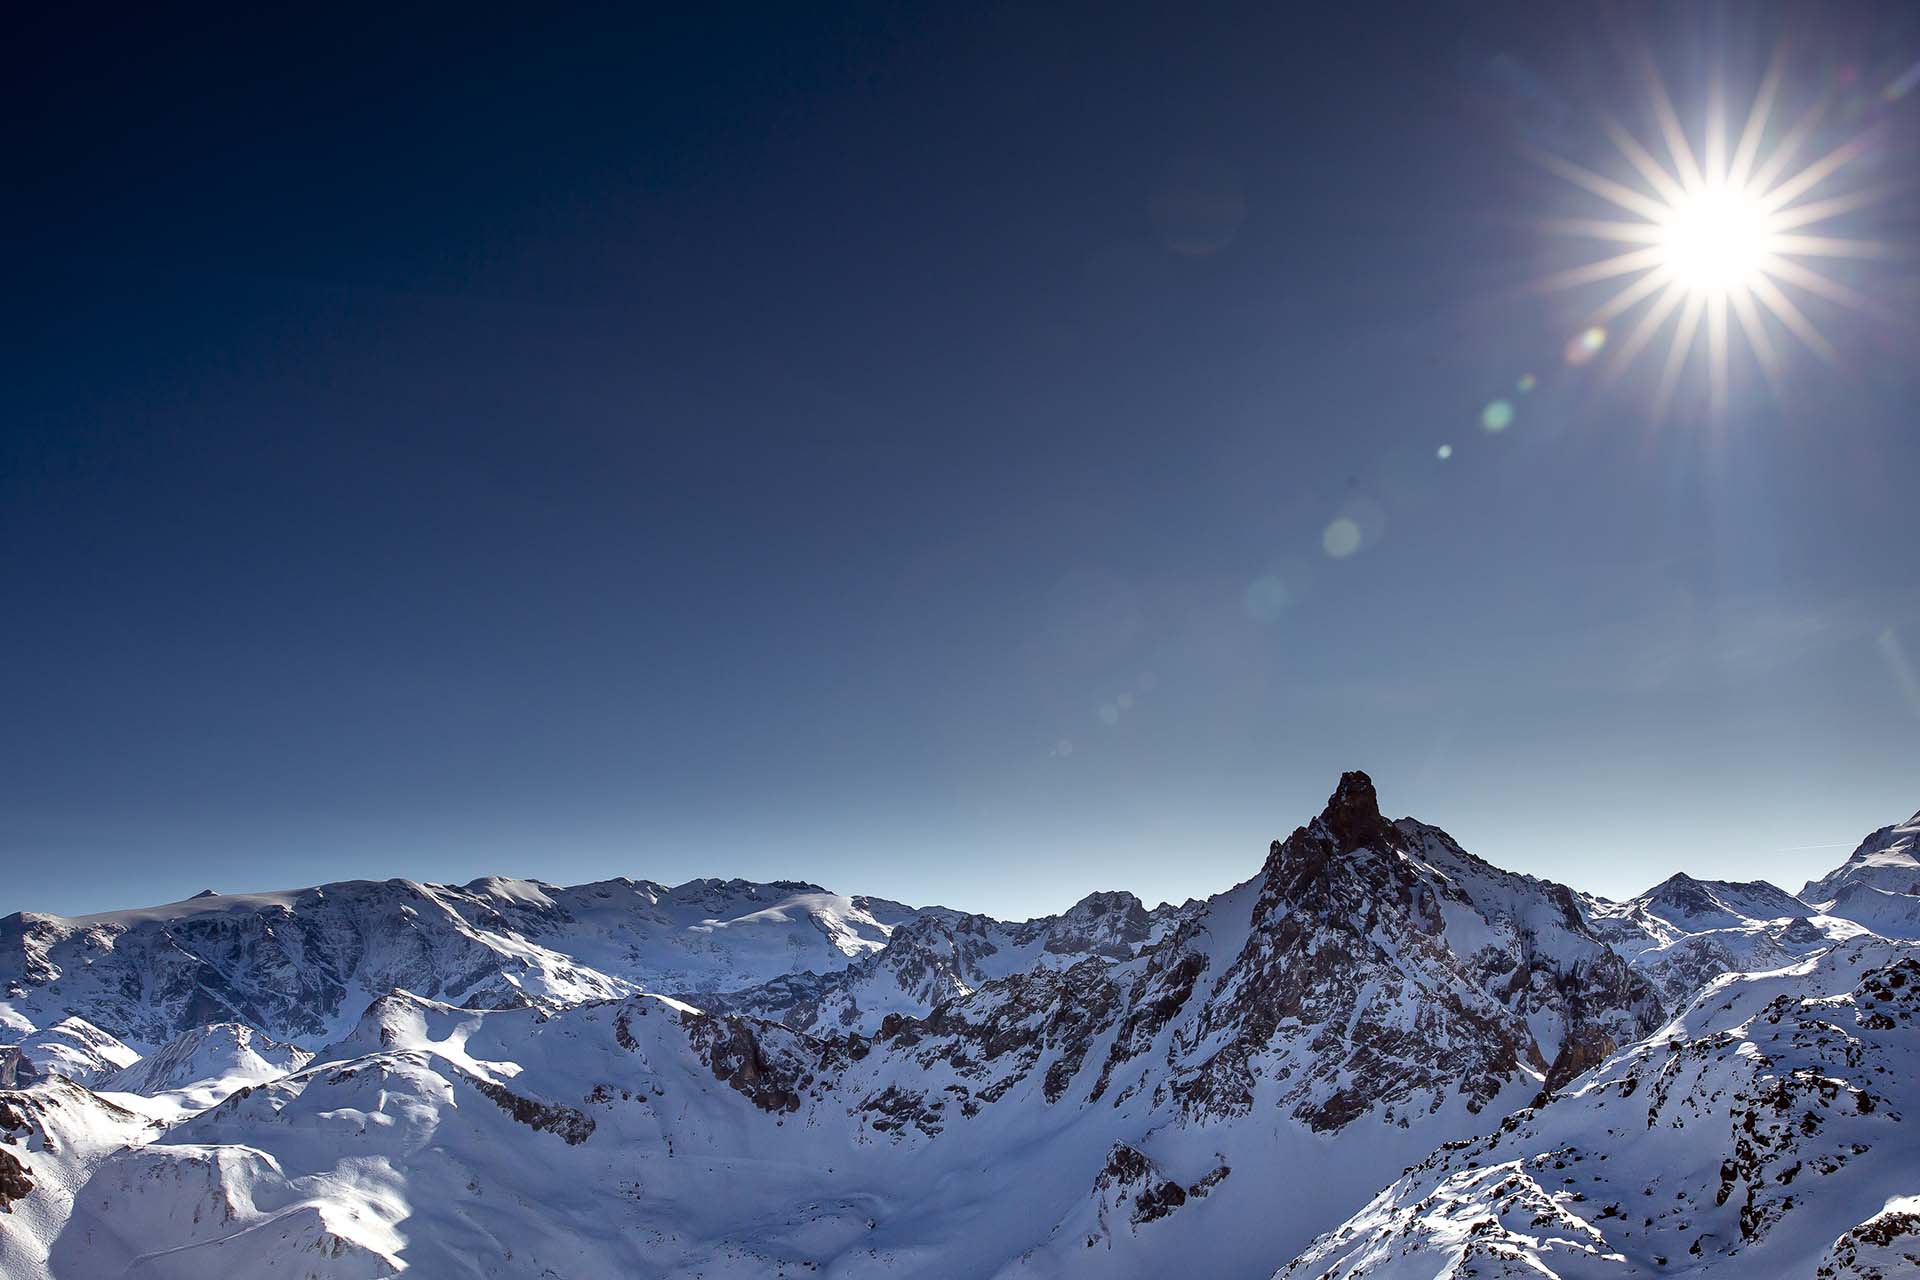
(1042, 1022)
(1352, 818)
(1395, 970)
(1135, 1179)
(15, 1185)
(569, 1124)
(1110, 925)
(16, 1069)
(1883, 1247)
(772, 1080)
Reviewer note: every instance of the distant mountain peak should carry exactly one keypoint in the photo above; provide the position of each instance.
(1889, 859)
(1681, 897)
(1106, 901)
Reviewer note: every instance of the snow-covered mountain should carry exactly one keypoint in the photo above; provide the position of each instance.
(1888, 860)
(1683, 933)
(944, 955)
(1879, 885)
(1891, 915)
(1698, 905)
(72, 1047)
(727, 1079)
(1126, 1100)
(301, 965)
(1764, 1132)
(198, 1068)
(52, 1138)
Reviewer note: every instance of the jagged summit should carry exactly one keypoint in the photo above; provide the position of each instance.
(1353, 811)
(1350, 822)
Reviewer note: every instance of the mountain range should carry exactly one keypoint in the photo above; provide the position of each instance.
(1377, 1056)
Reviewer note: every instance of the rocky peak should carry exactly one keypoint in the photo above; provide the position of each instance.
(1105, 902)
(1350, 822)
(1352, 814)
(1682, 890)
(1108, 924)
(1352, 904)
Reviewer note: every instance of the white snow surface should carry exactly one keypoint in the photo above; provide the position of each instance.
(1879, 885)
(199, 1068)
(76, 1049)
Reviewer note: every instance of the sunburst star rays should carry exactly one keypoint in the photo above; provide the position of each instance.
(1719, 240)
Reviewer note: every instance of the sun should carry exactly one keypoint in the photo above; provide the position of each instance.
(1718, 238)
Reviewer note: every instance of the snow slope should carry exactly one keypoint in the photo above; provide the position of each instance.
(199, 1068)
(1879, 885)
(1762, 1132)
(1892, 915)
(1888, 860)
(52, 1137)
(75, 1048)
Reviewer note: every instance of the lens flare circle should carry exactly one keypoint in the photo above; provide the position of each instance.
(1341, 538)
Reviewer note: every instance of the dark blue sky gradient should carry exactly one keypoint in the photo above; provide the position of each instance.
(842, 445)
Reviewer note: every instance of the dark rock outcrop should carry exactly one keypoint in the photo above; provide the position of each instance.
(15, 1184)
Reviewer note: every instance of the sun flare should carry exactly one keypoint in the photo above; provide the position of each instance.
(1717, 239)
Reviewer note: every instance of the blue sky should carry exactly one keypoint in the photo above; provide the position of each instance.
(908, 450)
